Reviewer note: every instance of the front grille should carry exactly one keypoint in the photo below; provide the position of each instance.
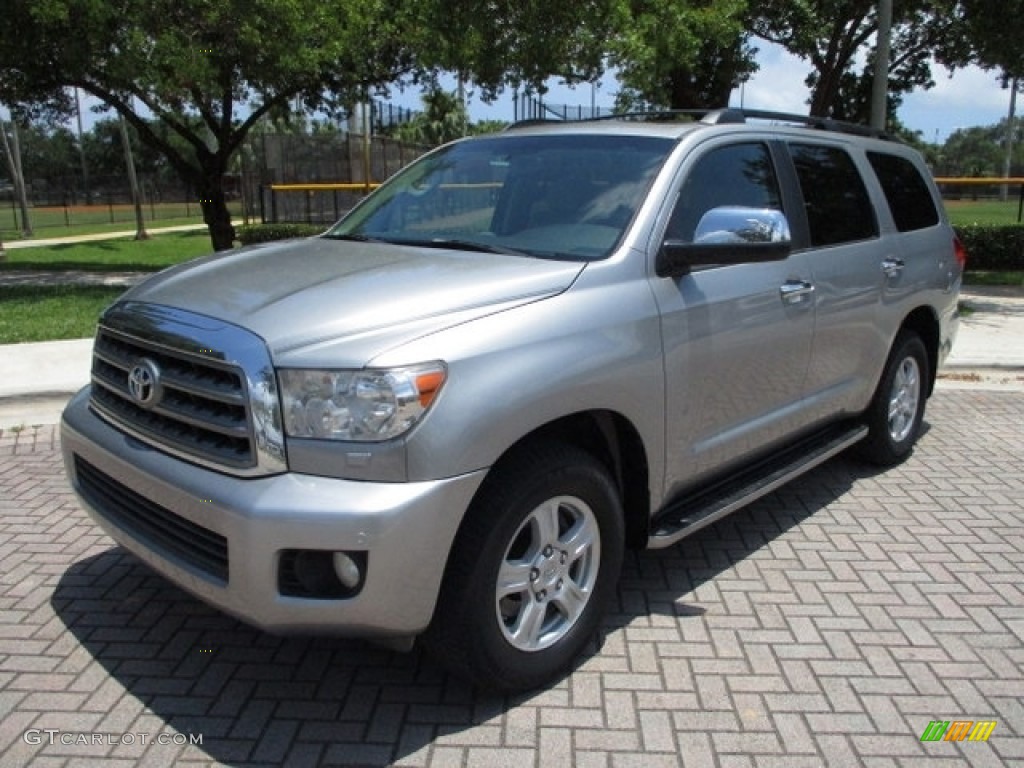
(201, 411)
(169, 534)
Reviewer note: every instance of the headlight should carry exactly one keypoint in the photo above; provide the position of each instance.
(364, 405)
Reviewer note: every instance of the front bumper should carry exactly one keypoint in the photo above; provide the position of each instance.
(405, 529)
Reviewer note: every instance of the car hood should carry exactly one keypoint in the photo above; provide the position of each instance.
(318, 292)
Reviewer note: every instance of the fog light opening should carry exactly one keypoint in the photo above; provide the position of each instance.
(313, 571)
(321, 574)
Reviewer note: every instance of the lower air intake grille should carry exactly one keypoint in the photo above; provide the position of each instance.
(166, 532)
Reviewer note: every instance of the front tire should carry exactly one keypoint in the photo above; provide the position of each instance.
(895, 415)
(531, 570)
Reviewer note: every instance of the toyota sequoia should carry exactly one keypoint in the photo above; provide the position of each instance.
(448, 416)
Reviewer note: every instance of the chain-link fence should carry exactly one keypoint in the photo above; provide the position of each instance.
(63, 203)
(264, 160)
(333, 159)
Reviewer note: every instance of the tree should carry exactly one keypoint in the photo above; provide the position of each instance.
(508, 43)
(681, 54)
(12, 159)
(973, 151)
(831, 33)
(1000, 45)
(48, 151)
(207, 70)
(443, 119)
(996, 36)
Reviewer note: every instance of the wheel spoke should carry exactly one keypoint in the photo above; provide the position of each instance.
(545, 524)
(513, 578)
(571, 600)
(904, 399)
(580, 540)
(894, 409)
(526, 631)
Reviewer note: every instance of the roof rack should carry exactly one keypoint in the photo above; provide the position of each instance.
(734, 116)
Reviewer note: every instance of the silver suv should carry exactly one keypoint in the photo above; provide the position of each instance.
(448, 416)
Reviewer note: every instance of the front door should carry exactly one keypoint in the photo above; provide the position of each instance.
(737, 338)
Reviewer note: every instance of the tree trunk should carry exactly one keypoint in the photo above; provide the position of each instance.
(12, 156)
(215, 212)
(824, 92)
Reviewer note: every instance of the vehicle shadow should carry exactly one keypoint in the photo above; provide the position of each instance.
(316, 701)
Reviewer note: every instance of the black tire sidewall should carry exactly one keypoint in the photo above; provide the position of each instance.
(879, 447)
(496, 516)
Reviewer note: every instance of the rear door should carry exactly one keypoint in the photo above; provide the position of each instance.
(846, 258)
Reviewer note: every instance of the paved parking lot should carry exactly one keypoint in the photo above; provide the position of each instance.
(829, 624)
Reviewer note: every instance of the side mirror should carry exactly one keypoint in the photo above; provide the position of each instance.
(728, 235)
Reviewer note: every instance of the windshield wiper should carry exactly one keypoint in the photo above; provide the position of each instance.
(455, 244)
(354, 238)
(472, 245)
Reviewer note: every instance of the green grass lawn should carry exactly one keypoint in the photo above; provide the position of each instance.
(47, 313)
(113, 255)
(1008, 277)
(44, 313)
(29, 313)
(55, 221)
(965, 212)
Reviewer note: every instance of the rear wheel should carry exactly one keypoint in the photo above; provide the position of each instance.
(531, 570)
(895, 415)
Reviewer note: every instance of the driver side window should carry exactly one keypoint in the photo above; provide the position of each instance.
(736, 175)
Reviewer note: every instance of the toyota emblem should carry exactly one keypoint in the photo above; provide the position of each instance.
(144, 383)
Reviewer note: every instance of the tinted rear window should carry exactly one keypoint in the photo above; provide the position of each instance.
(909, 198)
(838, 207)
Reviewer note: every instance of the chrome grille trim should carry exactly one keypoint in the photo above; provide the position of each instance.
(218, 404)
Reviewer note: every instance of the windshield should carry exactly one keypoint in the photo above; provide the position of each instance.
(567, 197)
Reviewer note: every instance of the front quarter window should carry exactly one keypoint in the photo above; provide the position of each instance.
(556, 196)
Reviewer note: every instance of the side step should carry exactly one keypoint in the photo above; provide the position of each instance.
(692, 512)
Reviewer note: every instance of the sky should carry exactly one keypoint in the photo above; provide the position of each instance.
(966, 98)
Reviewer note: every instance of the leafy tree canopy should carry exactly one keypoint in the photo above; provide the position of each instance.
(208, 70)
(979, 151)
(509, 43)
(831, 33)
(680, 53)
(995, 28)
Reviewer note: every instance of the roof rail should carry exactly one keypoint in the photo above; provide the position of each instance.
(811, 121)
(527, 122)
(734, 116)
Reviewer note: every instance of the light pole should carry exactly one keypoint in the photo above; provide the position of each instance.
(81, 148)
(1004, 193)
(880, 86)
(133, 181)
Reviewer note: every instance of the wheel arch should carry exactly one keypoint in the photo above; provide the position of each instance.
(924, 322)
(615, 442)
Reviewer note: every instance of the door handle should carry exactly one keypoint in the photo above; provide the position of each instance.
(796, 291)
(892, 267)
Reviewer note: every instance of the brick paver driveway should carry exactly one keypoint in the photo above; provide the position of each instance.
(828, 624)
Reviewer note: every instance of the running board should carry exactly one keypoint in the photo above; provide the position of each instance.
(692, 512)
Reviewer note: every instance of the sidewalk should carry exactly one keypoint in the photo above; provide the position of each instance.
(39, 378)
(11, 245)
